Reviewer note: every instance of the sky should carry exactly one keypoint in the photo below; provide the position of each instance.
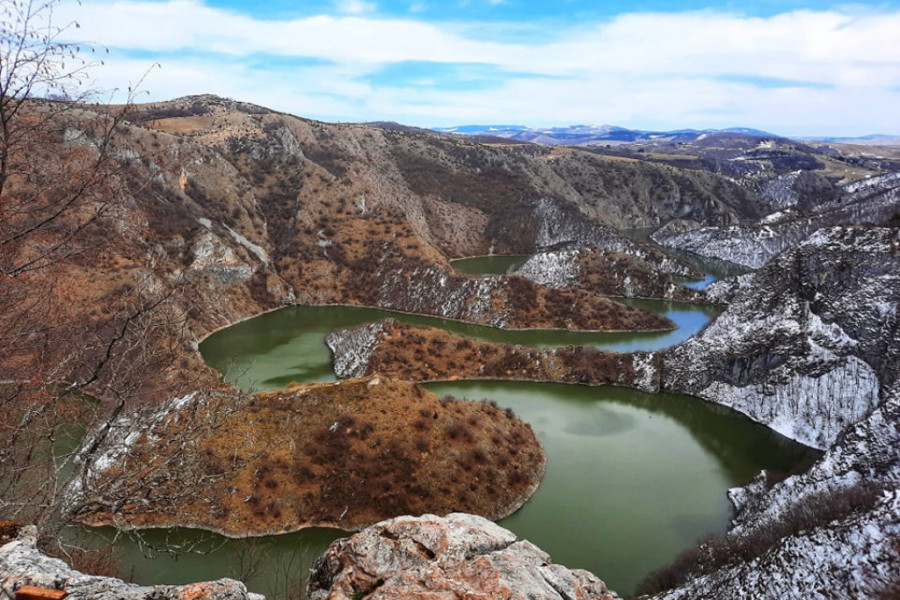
(793, 67)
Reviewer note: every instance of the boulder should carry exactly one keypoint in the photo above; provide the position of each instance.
(23, 565)
(445, 558)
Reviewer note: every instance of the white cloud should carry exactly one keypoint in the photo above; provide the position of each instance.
(650, 69)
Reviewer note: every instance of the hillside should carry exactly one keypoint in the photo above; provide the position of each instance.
(191, 215)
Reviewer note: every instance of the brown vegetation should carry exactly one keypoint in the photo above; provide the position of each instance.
(345, 455)
(421, 354)
(809, 512)
(609, 274)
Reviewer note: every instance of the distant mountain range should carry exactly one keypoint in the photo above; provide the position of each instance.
(875, 139)
(579, 135)
(582, 135)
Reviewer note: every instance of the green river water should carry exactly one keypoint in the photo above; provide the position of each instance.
(632, 478)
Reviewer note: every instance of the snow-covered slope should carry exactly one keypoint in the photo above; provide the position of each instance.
(809, 345)
(847, 513)
(806, 342)
(873, 200)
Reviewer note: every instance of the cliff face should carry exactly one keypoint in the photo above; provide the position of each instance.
(809, 346)
(445, 558)
(604, 273)
(807, 342)
(871, 201)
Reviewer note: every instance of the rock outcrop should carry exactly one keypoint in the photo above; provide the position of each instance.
(809, 346)
(499, 301)
(871, 201)
(21, 564)
(445, 558)
(807, 342)
(612, 274)
(564, 226)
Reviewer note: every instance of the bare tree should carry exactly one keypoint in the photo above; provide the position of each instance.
(70, 381)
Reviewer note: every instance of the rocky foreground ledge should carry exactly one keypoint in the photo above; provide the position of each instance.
(445, 558)
(438, 558)
(22, 564)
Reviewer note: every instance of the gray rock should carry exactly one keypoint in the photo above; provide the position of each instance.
(439, 558)
(21, 563)
(873, 200)
(785, 353)
(807, 342)
(352, 348)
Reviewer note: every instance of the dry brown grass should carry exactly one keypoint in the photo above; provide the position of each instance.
(176, 125)
(345, 455)
(424, 354)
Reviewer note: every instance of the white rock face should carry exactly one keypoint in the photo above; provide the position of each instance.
(22, 564)
(353, 348)
(855, 557)
(215, 258)
(873, 200)
(257, 250)
(565, 227)
(438, 291)
(552, 269)
(445, 558)
(803, 346)
(809, 347)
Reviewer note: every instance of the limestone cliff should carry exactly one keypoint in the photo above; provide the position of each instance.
(629, 275)
(871, 201)
(807, 342)
(809, 346)
(445, 558)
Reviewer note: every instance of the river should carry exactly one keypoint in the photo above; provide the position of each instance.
(632, 478)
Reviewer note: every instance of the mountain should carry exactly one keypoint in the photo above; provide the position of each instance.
(225, 210)
(582, 135)
(875, 139)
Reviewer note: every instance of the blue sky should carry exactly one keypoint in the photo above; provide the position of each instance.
(790, 66)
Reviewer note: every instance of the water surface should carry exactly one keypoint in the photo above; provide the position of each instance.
(275, 349)
(632, 478)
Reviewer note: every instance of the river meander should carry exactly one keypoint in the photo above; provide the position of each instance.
(632, 478)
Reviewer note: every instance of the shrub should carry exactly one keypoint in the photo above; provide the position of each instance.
(811, 511)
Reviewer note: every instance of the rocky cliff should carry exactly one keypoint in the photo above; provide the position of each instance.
(445, 558)
(807, 342)
(22, 564)
(871, 201)
(809, 346)
(612, 274)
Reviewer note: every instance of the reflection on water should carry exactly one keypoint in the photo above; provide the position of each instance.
(269, 565)
(632, 478)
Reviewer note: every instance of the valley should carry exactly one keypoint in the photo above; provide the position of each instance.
(242, 239)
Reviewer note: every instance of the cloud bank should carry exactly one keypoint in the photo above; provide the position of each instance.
(803, 72)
